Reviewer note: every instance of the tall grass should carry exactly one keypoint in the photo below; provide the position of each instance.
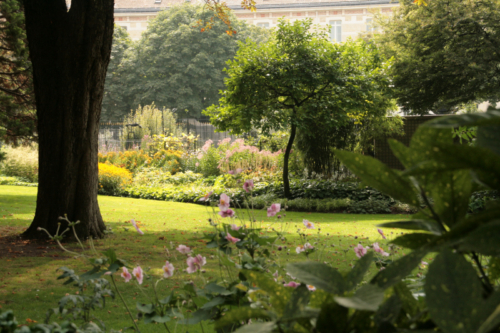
(21, 162)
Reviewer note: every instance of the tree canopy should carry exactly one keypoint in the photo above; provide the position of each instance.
(445, 53)
(300, 80)
(177, 64)
(17, 118)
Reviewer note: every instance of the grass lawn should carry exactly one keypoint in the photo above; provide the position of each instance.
(28, 285)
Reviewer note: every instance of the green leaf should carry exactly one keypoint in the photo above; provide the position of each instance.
(483, 240)
(491, 322)
(389, 311)
(214, 288)
(399, 269)
(454, 294)
(424, 225)
(197, 317)
(145, 308)
(409, 303)
(469, 120)
(111, 255)
(489, 137)
(155, 318)
(213, 303)
(240, 314)
(330, 310)
(368, 297)
(356, 274)
(319, 275)
(278, 294)
(494, 268)
(414, 241)
(257, 327)
(297, 303)
(376, 174)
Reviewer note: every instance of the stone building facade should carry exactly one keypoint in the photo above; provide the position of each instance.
(347, 18)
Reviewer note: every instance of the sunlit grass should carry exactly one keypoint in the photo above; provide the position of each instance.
(28, 285)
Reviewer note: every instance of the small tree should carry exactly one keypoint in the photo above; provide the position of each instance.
(299, 79)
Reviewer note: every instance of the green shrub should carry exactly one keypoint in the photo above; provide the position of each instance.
(155, 177)
(209, 162)
(21, 162)
(371, 206)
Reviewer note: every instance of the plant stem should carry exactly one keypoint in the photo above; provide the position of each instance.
(126, 306)
(485, 280)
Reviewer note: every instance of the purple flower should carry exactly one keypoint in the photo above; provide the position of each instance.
(381, 233)
(224, 202)
(231, 238)
(309, 225)
(126, 275)
(274, 209)
(227, 213)
(168, 270)
(136, 227)
(206, 196)
(248, 185)
(360, 251)
(183, 249)
(137, 272)
(380, 250)
(195, 263)
(292, 284)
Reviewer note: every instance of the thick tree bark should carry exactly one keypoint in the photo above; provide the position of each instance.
(286, 181)
(70, 51)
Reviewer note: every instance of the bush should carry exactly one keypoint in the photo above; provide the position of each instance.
(113, 179)
(209, 160)
(154, 177)
(371, 206)
(21, 162)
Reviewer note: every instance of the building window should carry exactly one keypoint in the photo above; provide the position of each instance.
(336, 31)
(124, 27)
(370, 25)
(263, 25)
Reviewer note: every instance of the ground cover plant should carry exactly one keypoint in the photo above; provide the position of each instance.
(31, 280)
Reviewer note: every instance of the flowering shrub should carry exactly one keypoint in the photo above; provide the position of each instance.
(130, 159)
(113, 179)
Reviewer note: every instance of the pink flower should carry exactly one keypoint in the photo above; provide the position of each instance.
(224, 202)
(125, 274)
(311, 288)
(275, 208)
(136, 227)
(197, 164)
(137, 272)
(360, 251)
(380, 250)
(231, 172)
(381, 233)
(227, 213)
(300, 249)
(195, 263)
(168, 270)
(309, 225)
(183, 249)
(248, 185)
(308, 246)
(231, 238)
(108, 273)
(276, 274)
(292, 284)
(206, 196)
(235, 227)
(237, 171)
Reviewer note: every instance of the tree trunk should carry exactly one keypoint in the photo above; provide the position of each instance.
(70, 51)
(286, 181)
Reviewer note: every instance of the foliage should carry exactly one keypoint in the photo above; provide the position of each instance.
(371, 206)
(117, 103)
(130, 159)
(113, 179)
(180, 67)
(445, 53)
(182, 143)
(155, 177)
(299, 80)
(145, 122)
(21, 162)
(459, 295)
(17, 118)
